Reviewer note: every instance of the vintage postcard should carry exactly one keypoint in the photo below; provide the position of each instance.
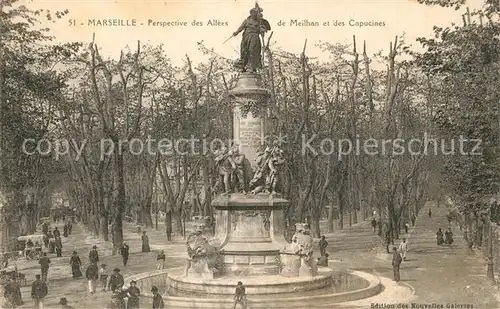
(241, 154)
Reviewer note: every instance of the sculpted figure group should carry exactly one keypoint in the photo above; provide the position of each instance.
(233, 176)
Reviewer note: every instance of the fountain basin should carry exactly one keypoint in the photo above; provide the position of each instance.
(272, 284)
(344, 286)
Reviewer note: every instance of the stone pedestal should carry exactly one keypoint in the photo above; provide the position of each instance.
(249, 231)
(249, 129)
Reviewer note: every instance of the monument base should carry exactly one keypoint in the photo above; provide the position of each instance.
(247, 231)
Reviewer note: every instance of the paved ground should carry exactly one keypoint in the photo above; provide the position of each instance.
(436, 274)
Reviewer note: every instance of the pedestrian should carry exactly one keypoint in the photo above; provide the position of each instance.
(64, 303)
(374, 224)
(45, 240)
(403, 248)
(124, 251)
(94, 255)
(12, 293)
(76, 264)
(52, 245)
(169, 232)
(240, 296)
(117, 301)
(92, 275)
(44, 262)
(160, 260)
(103, 276)
(322, 245)
(396, 263)
(157, 299)
(439, 237)
(413, 219)
(133, 294)
(38, 292)
(448, 237)
(388, 240)
(63, 217)
(116, 280)
(407, 227)
(45, 228)
(430, 213)
(65, 230)
(59, 246)
(145, 242)
(70, 227)
(323, 260)
(56, 232)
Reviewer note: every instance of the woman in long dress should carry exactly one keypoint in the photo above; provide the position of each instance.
(133, 296)
(251, 47)
(145, 242)
(448, 237)
(75, 263)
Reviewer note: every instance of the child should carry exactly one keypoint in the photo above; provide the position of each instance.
(103, 276)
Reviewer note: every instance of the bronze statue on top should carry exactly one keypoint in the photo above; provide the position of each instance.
(251, 46)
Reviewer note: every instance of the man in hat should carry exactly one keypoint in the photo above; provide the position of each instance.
(44, 262)
(160, 260)
(157, 299)
(92, 275)
(56, 232)
(64, 303)
(396, 263)
(94, 255)
(103, 276)
(240, 296)
(124, 252)
(322, 245)
(116, 280)
(38, 292)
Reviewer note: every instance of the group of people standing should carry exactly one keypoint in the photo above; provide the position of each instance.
(52, 239)
(447, 239)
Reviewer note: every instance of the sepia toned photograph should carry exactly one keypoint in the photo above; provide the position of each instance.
(249, 154)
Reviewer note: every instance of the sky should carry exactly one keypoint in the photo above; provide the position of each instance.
(399, 16)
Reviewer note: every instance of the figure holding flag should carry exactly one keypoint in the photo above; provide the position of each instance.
(251, 47)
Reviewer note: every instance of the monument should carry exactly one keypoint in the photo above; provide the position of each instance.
(249, 244)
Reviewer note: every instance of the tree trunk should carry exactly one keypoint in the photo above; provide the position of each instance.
(331, 213)
(117, 225)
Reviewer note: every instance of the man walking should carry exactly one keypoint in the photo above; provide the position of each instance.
(413, 219)
(403, 248)
(160, 260)
(157, 299)
(169, 232)
(396, 263)
(124, 252)
(430, 213)
(374, 224)
(44, 262)
(322, 245)
(38, 292)
(92, 275)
